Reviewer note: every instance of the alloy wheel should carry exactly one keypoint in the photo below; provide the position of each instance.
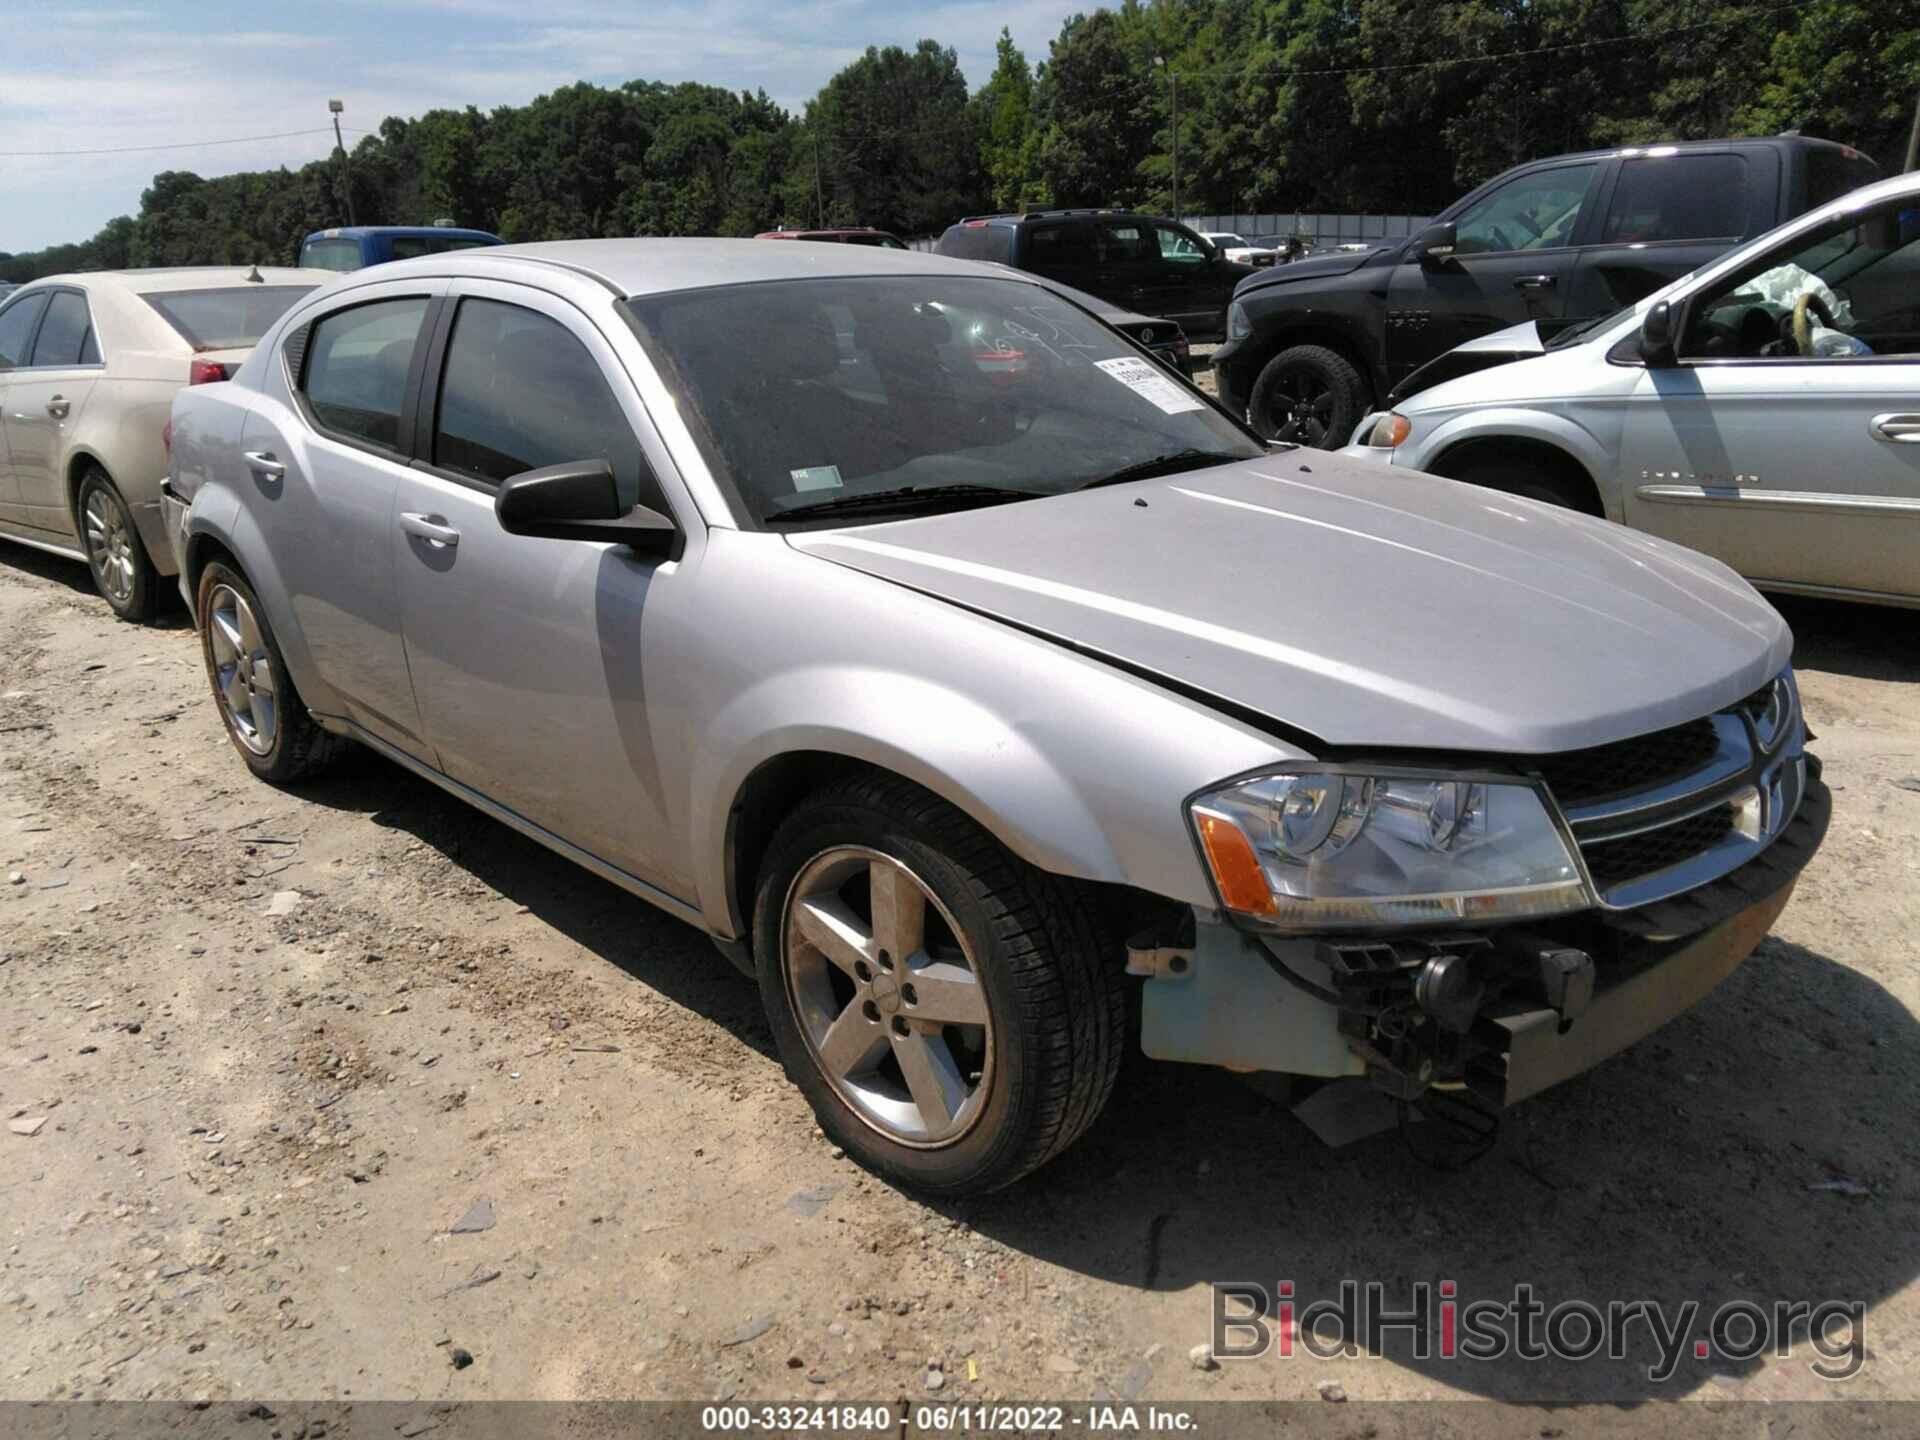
(109, 547)
(1301, 410)
(242, 672)
(886, 991)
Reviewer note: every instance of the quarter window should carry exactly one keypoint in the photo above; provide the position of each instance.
(16, 329)
(1678, 197)
(1535, 212)
(66, 335)
(520, 393)
(356, 369)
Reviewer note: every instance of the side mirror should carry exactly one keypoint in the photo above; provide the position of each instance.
(1656, 336)
(579, 501)
(1435, 244)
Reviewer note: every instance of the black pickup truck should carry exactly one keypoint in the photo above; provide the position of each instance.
(1313, 345)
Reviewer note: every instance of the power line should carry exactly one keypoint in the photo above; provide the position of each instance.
(179, 145)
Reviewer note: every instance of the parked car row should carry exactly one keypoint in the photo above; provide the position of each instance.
(995, 714)
(1764, 410)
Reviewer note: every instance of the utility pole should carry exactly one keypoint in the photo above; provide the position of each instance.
(346, 171)
(1173, 83)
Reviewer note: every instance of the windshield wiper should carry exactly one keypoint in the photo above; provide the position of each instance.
(906, 497)
(1171, 464)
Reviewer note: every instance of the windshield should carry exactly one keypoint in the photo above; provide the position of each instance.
(805, 391)
(225, 319)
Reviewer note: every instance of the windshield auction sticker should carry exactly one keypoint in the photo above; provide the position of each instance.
(1149, 383)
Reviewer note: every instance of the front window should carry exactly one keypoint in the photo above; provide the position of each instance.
(1849, 290)
(1535, 212)
(932, 392)
(335, 254)
(1182, 247)
(225, 319)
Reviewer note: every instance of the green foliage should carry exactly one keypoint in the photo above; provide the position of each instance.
(1360, 105)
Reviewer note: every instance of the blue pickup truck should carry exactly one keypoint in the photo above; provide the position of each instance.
(357, 246)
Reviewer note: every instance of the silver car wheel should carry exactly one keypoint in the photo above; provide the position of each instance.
(886, 991)
(242, 673)
(109, 547)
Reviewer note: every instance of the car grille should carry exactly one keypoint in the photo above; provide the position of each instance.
(1612, 862)
(1660, 814)
(1642, 763)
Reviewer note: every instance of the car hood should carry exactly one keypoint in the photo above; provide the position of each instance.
(1313, 267)
(1483, 352)
(1364, 606)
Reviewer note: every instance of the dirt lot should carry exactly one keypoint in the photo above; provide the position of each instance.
(339, 1084)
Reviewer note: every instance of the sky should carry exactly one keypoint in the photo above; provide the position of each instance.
(108, 75)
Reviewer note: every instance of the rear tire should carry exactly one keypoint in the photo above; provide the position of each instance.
(262, 711)
(1308, 395)
(123, 573)
(1020, 999)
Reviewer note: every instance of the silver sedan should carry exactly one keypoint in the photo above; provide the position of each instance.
(984, 689)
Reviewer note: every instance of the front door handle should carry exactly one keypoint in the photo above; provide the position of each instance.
(1536, 282)
(58, 407)
(1902, 429)
(431, 528)
(263, 464)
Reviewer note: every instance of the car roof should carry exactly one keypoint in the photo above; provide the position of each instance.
(358, 232)
(1658, 148)
(187, 277)
(829, 230)
(661, 266)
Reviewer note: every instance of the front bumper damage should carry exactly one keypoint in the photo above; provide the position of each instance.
(1503, 1013)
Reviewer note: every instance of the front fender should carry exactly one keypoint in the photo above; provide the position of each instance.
(1427, 448)
(933, 735)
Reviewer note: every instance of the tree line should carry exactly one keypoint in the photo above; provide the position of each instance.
(1319, 105)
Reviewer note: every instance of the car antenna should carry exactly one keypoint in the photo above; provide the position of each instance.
(254, 277)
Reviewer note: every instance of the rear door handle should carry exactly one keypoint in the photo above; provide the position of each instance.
(431, 528)
(263, 464)
(58, 407)
(1536, 282)
(1903, 429)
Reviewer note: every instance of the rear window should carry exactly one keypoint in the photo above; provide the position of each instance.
(978, 242)
(336, 254)
(410, 247)
(884, 242)
(225, 319)
(1832, 173)
(1678, 197)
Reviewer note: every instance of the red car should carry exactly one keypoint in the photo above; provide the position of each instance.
(856, 235)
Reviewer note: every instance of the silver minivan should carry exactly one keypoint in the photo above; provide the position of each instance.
(995, 715)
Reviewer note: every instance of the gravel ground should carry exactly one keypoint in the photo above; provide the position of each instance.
(341, 1088)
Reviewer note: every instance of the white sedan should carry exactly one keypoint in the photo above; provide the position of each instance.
(1764, 410)
(89, 365)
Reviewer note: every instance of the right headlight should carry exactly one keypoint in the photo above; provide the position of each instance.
(1238, 325)
(1390, 431)
(1343, 850)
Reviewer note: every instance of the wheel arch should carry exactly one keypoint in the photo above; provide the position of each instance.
(1332, 332)
(1461, 455)
(80, 460)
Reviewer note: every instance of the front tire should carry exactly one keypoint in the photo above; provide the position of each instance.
(262, 712)
(122, 571)
(1308, 395)
(954, 1016)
